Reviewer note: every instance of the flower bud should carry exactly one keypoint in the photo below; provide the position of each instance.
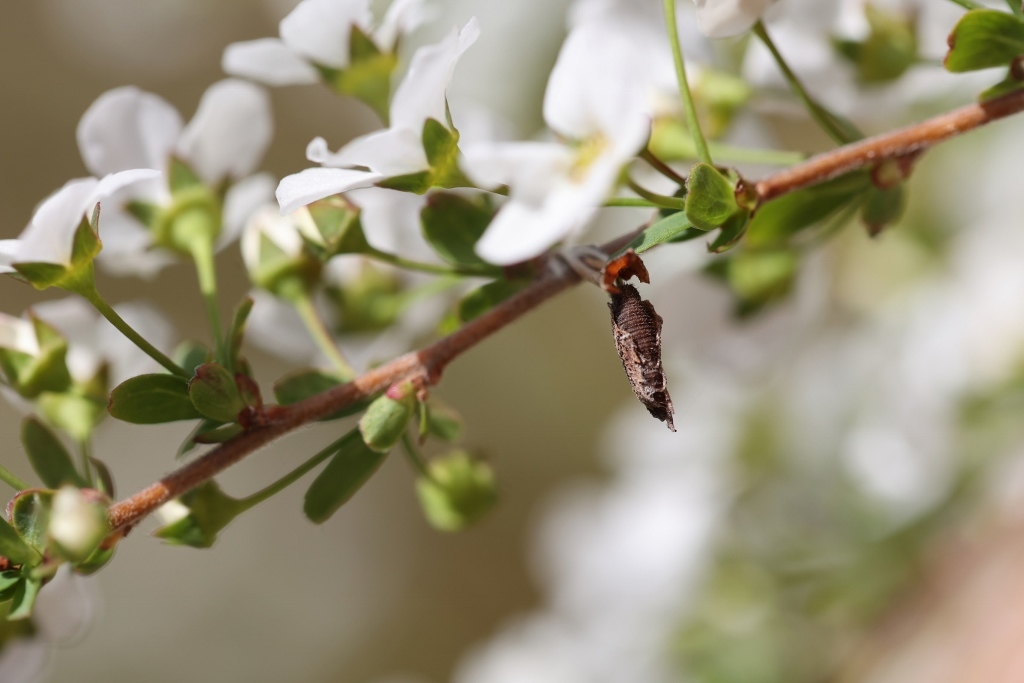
(274, 250)
(458, 492)
(78, 523)
(384, 422)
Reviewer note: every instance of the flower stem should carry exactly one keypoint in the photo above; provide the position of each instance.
(631, 202)
(287, 480)
(684, 88)
(659, 200)
(662, 168)
(206, 270)
(93, 296)
(303, 303)
(413, 455)
(11, 480)
(433, 269)
(85, 452)
(842, 134)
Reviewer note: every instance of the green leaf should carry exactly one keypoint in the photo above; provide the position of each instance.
(215, 394)
(385, 421)
(889, 49)
(458, 492)
(710, 197)
(339, 225)
(779, 219)
(443, 422)
(24, 598)
(75, 413)
(8, 581)
(191, 354)
(152, 399)
(344, 475)
(14, 548)
(95, 562)
(103, 479)
(210, 510)
(237, 332)
(30, 516)
(48, 457)
(484, 298)
(730, 234)
(882, 208)
(180, 176)
(1012, 83)
(368, 75)
(984, 38)
(453, 224)
(302, 384)
(663, 230)
(761, 276)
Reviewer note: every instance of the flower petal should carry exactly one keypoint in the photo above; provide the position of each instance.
(241, 201)
(421, 94)
(403, 16)
(268, 61)
(320, 29)
(530, 168)
(48, 237)
(723, 18)
(391, 221)
(303, 188)
(127, 128)
(391, 152)
(230, 131)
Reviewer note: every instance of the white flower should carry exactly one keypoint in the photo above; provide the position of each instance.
(283, 232)
(50, 235)
(77, 524)
(722, 18)
(394, 151)
(598, 97)
(318, 33)
(224, 142)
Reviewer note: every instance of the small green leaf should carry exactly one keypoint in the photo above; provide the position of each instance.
(152, 399)
(13, 547)
(453, 224)
(883, 207)
(180, 176)
(339, 225)
(103, 479)
(483, 299)
(663, 230)
(443, 422)
(30, 516)
(710, 197)
(75, 413)
(368, 75)
(344, 475)
(210, 510)
(48, 457)
(1013, 82)
(237, 332)
(385, 421)
(761, 276)
(202, 428)
(8, 580)
(215, 394)
(191, 354)
(95, 562)
(984, 38)
(731, 232)
(775, 222)
(458, 492)
(24, 598)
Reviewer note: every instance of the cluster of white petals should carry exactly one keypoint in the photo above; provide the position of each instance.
(318, 33)
(224, 142)
(397, 150)
(724, 18)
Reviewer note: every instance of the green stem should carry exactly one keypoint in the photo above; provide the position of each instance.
(750, 155)
(93, 296)
(433, 269)
(822, 116)
(684, 88)
(287, 480)
(662, 168)
(414, 457)
(206, 270)
(306, 309)
(658, 199)
(631, 202)
(11, 480)
(85, 451)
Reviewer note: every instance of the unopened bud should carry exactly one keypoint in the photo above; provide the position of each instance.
(78, 523)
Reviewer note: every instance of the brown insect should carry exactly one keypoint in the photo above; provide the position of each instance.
(637, 330)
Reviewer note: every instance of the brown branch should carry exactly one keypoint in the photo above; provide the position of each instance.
(428, 363)
(901, 143)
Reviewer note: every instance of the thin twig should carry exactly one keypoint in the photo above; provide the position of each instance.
(428, 363)
(901, 143)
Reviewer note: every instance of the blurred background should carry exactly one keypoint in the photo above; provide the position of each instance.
(841, 502)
